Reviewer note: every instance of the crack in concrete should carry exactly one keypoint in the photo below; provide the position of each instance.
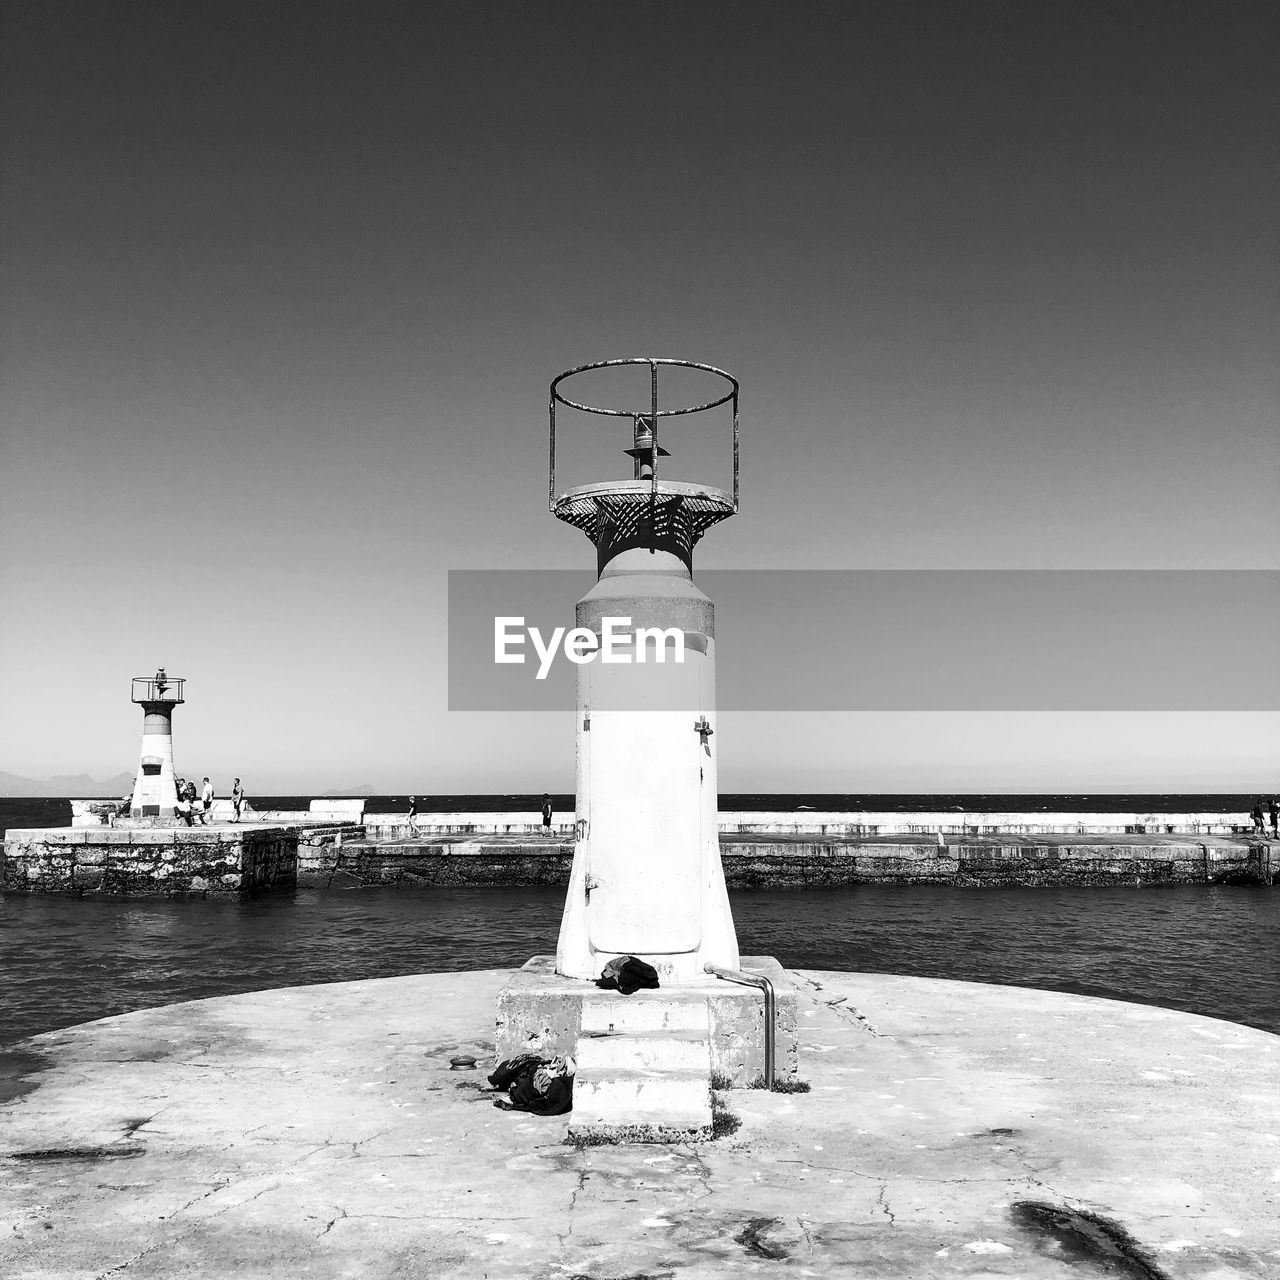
(373, 1137)
(563, 1238)
(204, 1195)
(882, 1203)
(128, 1262)
(315, 1151)
(1044, 1186)
(808, 1236)
(169, 1241)
(846, 1012)
(854, 1017)
(703, 1172)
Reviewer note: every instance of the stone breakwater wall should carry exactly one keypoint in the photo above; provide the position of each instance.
(451, 863)
(247, 857)
(797, 862)
(166, 862)
(999, 861)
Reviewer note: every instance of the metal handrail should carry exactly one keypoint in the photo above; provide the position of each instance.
(770, 1009)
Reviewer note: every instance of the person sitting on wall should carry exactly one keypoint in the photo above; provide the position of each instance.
(183, 809)
(189, 795)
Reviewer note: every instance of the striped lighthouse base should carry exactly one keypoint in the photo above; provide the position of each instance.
(155, 793)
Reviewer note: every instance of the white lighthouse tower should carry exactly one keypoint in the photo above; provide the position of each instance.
(647, 879)
(154, 792)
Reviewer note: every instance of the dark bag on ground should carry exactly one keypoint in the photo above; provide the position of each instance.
(543, 1086)
(627, 974)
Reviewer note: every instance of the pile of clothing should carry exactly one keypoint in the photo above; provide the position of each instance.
(543, 1086)
(627, 974)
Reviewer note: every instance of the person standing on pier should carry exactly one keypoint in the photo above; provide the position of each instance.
(1274, 810)
(206, 797)
(546, 814)
(1259, 823)
(413, 813)
(237, 799)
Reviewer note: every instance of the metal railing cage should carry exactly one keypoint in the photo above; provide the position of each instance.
(149, 689)
(653, 410)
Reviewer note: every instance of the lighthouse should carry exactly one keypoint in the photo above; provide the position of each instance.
(647, 879)
(154, 792)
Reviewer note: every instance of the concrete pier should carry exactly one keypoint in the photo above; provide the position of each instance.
(796, 861)
(338, 846)
(951, 1129)
(221, 858)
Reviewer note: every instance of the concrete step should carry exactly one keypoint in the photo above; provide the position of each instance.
(646, 1011)
(645, 1050)
(621, 1100)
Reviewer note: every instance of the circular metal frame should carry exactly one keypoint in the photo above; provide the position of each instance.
(653, 412)
(652, 362)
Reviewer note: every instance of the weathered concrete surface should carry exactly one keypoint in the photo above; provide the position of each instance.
(781, 861)
(318, 1131)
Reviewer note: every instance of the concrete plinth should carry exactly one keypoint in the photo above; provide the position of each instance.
(539, 1011)
(953, 1129)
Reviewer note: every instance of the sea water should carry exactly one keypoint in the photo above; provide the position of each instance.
(1205, 949)
(1212, 950)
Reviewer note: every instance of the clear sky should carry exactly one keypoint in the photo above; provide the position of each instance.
(284, 285)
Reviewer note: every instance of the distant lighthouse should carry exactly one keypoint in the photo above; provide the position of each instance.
(647, 879)
(154, 792)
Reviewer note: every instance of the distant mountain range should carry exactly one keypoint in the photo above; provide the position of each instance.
(80, 786)
(76, 786)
